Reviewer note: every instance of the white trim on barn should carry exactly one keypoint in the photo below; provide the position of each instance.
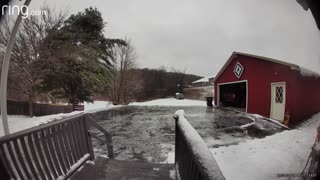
(233, 82)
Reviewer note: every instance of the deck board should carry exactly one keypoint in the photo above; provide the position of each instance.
(111, 169)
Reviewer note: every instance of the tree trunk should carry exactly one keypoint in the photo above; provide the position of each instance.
(74, 102)
(120, 90)
(115, 89)
(73, 99)
(30, 102)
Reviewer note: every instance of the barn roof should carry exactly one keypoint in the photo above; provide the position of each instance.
(303, 71)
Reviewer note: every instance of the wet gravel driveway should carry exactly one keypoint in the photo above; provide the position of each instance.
(147, 132)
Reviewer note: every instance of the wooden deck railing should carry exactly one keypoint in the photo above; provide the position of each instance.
(107, 135)
(193, 160)
(51, 151)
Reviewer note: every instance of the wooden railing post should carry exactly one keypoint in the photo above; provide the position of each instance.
(193, 159)
(89, 139)
(109, 146)
(176, 118)
(107, 135)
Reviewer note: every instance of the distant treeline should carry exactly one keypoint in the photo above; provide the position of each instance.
(159, 83)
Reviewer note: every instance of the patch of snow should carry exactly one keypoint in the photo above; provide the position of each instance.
(104, 156)
(170, 158)
(170, 102)
(90, 162)
(205, 79)
(247, 125)
(168, 151)
(20, 122)
(285, 152)
(78, 170)
(97, 106)
(257, 116)
(149, 158)
(199, 147)
(224, 140)
(76, 165)
(172, 174)
(308, 73)
(176, 166)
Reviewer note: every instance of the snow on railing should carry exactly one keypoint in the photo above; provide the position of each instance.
(192, 156)
(75, 166)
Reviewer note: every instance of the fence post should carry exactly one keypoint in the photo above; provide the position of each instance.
(189, 160)
(88, 136)
(109, 146)
(176, 118)
(107, 136)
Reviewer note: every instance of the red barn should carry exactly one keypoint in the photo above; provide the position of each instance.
(268, 87)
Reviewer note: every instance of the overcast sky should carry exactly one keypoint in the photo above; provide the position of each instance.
(200, 35)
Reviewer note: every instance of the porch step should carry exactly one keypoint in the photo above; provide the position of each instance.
(111, 169)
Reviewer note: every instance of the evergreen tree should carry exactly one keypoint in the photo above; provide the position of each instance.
(79, 57)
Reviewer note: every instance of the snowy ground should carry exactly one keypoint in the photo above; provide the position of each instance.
(170, 102)
(20, 122)
(97, 106)
(253, 158)
(285, 152)
(133, 127)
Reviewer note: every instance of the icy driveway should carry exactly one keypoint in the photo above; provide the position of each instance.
(147, 132)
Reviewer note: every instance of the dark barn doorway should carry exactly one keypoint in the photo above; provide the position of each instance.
(233, 95)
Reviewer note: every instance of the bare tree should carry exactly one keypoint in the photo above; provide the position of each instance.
(26, 63)
(126, 82)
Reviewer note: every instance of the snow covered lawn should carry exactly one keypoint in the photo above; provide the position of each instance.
(285, 152)
(20, 122)
(170, 102)
(97, 106)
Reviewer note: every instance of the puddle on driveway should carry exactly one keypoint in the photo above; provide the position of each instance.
(147, 133)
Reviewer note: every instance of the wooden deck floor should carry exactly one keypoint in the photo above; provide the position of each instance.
(112, 169)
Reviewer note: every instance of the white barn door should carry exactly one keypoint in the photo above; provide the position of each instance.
(278, 101)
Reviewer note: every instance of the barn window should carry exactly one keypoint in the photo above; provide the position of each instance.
(279, 94)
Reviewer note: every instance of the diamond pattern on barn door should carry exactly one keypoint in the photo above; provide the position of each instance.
(279, 94)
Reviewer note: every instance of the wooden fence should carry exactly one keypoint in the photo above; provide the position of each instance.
(198, 93)
(22, 108)
(193, 160)
(51, 151)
